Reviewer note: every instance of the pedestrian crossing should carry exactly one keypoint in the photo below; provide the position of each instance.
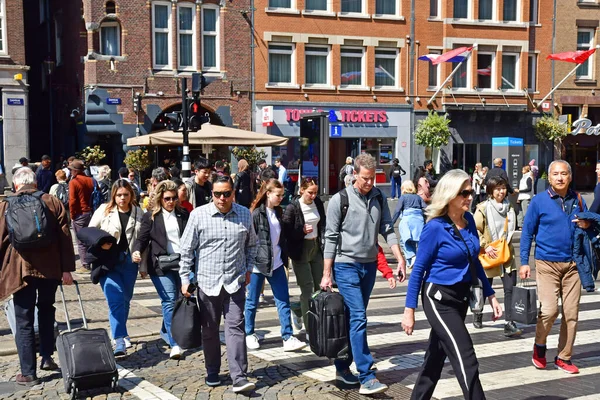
(505, 363)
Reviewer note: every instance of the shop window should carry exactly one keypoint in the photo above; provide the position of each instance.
(486, 9)
(186, 21)
(280, 3)
(434, 73)
(461, 9)
(353, 6)
(161, 35)
(352, 66)
(434, 8)
(532, 72)
(317, 65)
(110, 38)
(585, 41)
(110, 7)
(385, 67)
(316, 5)
(485, 63)
(573, 111)
(210, 37)
(280, 63)
(387, 7)
(510, 10)
(510, 71)
(533, 11)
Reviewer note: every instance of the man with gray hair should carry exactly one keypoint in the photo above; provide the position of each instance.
(549, 220)
(352, 243)
(499, 172)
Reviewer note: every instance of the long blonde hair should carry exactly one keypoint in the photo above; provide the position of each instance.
(445, 191)
(159, 190)
(261, 197)
(112, 203)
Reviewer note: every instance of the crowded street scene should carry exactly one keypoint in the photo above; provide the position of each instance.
(283, 199)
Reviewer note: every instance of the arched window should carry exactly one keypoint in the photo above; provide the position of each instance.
(111, 8)
(110, 38)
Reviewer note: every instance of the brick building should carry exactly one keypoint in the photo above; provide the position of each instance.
(579, 96)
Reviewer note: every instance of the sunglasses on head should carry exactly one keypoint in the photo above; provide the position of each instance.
(466, 193)
(168, 198)
(226, 194)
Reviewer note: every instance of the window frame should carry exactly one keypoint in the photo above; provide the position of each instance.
(438, 71)
(534, 75)
(493, 71)
(168, 31)
(494, 17)
(517, 71)
(469, 16)
(292, 54)
(397, 14)
(363, 57)
(363, 9)
(291, 7)
(3, 29)
(589, 61)
(308, 52)
(439, 10)
(106, 24)
(189, 32)
(534, 11)
(396, 58)
(216, 34)
(326, 10)
(518, 13)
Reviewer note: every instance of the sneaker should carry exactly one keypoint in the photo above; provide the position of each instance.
(261, 298)
(372, 387)
(565, 365)
(48, 364)
(511, 330)
(293, 344)
(27, 380)
(212, 380)
(347, 377)
(243, 386)
(175, 353)
(120, 348)
(539, 356)
(478, 321)
(83, 270)
(252, 342)
(128, 344)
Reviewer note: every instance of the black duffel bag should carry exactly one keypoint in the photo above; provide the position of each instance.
(186, 326)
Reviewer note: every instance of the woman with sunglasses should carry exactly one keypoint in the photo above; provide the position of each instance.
(121, 218)
(270, 263)
(490, 219)
(441, 273)
(160, 232)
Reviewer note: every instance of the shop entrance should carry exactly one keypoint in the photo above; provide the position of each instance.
(339, 149)
(581, 151)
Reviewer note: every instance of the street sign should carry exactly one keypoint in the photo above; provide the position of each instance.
(113, 101)
(15, 102)
(336, 131)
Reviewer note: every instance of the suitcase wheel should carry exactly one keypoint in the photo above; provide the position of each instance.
(115, 383)
(74, 391)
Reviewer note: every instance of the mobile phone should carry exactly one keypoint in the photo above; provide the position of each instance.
(191, 288)
(400, 276)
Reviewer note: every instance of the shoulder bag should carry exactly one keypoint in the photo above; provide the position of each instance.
(502, 250)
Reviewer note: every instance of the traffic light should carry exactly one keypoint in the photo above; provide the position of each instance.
(174, 121)
(194, 115)
(199, 82)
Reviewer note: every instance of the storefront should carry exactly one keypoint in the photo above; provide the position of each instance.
(581, 148)
(383, 132)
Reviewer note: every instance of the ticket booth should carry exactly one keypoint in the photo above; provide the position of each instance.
(510, 150)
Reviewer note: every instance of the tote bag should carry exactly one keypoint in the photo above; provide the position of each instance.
(186, 326)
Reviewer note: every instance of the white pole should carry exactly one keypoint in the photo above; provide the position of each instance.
(537, 103)
(446, 81)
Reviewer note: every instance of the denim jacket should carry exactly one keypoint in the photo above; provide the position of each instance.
(584, 242)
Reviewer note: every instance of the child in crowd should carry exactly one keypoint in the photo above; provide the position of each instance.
(586, 246)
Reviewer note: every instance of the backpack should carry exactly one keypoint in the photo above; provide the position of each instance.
(62, 193)
(342, 174)
(328, 325)
(97, 198)
(29, 222)
(396, 171)
(345, 203)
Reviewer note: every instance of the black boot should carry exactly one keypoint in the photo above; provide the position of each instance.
(477, 320)
(511, 330)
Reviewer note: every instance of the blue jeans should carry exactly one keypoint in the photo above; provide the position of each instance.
(355, 282)
(168, 288)
(279, 285)
(396, 182)
(117, 286)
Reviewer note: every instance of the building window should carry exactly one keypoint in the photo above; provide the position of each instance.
(280, 3)
(210, 38)
(434, 8)
(352, 6)
(3, 27)
(510, 10)
(161, 33)
(510, 70)
(317, 65)
(316, 5)
(186, 21)
(461, 9)
(585, 41)
(110, 7)
(352, 66)
(485, 63)
(461, 76)
(110, 39)
(385, 67)
(280, 63)
(532, 72)
(387, 7)
(434, 72)
(486, 9)
(533, 11)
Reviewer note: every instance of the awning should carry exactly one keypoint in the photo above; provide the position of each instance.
(209, 134)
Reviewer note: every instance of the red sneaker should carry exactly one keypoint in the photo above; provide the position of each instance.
(539, 357)
(566, 365)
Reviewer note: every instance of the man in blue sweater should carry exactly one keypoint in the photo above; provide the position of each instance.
(550, 220)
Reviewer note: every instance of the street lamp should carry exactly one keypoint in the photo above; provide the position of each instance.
(50, 65)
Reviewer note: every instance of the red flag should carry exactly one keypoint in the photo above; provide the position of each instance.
(576, 57)
(457, 54)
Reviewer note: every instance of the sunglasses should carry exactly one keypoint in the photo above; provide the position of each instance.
(466, 193)
(168, 198)
(226, 194)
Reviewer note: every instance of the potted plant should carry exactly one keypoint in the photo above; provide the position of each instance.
(139, 160)
(250, 154)
(433, 132)
(550, 129)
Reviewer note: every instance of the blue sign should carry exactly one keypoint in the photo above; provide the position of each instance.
(113, 101)
(15, 102)
(507, 141)
(332, 116)
(336, 131)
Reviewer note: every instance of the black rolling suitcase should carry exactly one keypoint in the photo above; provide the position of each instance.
(86, 355)
(328, 325)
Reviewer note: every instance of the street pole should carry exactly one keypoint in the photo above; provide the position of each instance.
(186, 162)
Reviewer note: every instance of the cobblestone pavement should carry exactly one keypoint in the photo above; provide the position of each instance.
(147, 373)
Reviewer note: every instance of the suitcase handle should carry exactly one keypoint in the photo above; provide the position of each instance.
(62, 295)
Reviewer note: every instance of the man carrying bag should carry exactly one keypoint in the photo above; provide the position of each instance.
(524, 303)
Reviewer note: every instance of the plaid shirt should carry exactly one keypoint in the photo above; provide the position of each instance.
(219, 247)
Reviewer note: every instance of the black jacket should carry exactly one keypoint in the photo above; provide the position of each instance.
(264, 251)
(293, 227)
(499, 172)
(101, 260)
(243, 189)
(153, 234)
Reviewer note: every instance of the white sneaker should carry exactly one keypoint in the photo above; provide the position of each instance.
(261, 298)
(176, 353)
(252, 342)
(128, 344)
(293, 344)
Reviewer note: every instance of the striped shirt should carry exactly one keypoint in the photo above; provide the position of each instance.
(218, 248)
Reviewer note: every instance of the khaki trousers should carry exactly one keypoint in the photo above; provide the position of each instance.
(558, 280)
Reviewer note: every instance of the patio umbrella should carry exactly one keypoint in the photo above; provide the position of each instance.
(209, 135)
